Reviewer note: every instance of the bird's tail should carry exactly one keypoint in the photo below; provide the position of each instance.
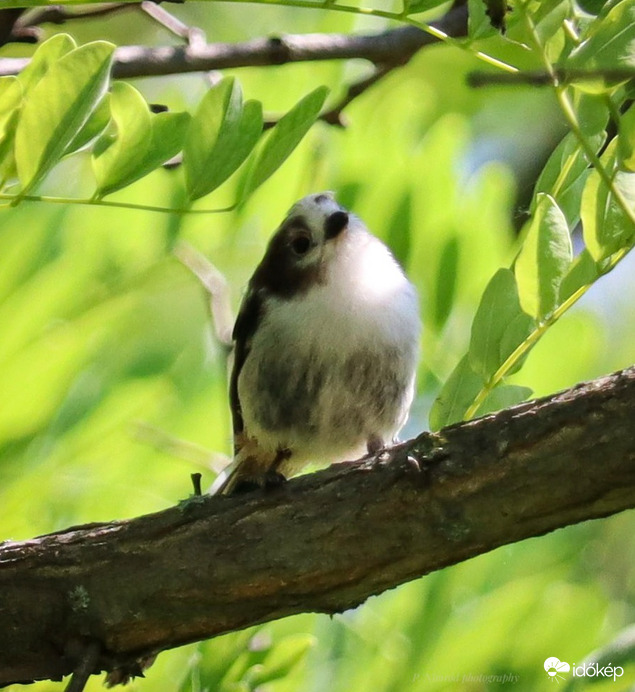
(227, 479)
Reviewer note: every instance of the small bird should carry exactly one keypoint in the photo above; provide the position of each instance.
(326, 346)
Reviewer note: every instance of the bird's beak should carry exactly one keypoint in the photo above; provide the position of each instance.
(335, 224)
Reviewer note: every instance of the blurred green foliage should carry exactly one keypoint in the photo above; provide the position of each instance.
(113, 388)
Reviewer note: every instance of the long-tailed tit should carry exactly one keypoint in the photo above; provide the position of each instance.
(326, 348)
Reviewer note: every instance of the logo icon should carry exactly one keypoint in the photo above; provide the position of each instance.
(555, 667)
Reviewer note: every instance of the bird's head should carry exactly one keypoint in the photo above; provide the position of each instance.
(300, 251)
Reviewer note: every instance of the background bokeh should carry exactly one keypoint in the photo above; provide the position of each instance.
(113, 390)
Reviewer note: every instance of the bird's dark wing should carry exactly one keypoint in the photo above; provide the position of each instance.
(246, 323)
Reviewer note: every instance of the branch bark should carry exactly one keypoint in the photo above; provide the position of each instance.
(323, 542)
(392, 47)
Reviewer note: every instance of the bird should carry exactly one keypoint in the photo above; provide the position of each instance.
(326, 347)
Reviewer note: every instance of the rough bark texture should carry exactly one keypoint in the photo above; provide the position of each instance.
(323, 542)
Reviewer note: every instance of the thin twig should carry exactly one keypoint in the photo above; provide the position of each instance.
(85, 667)
(539, 78)
(194, 36)
(216, 286)
(59, 14)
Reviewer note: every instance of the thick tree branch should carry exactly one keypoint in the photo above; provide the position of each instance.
(323, 542)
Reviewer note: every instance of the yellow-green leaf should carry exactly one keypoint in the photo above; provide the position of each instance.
(456, 395)
(544, 259)
(138, 141)
(10, 102)
(57, 108)
(121, 149)
(284, 138)
(498, 309)
(221, 136)
(605, 225)
(46, 55)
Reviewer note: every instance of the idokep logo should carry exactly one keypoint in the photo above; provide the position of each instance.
(556, 668)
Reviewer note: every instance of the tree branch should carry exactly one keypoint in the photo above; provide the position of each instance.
(323, 542)
(393, 47)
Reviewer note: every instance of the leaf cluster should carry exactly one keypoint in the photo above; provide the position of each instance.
(65, 102)
(587, 184)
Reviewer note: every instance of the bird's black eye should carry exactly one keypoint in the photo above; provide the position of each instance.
(301, 244)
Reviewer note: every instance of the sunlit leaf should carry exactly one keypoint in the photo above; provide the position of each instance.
(479, 23)
(626, 140)
(565, 173)
(94, 126)
(10, 101)
(498, 309)
(46, 55)
(167, 138)
(610, 42)
(139, 141)
(606, 226)
(118, 155)
(456, 395)
(583, 271)
(221, 136)
(57, 108)
(284, 138)
(518, 329)
(544, 259)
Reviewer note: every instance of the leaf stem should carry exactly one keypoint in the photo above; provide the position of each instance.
(98, 202)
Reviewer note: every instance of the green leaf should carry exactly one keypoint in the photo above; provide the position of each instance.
(281, 659)
(168, 137)
(57, 108)
(626, 140)
(10, 102)
(498, 309)
(399, 233)
(446, 281)
(455, 396)
(94, 126)
(544, 259)
(415, 6)
(479, 23)
(139, 143)
(518, 329)
(504, 396)
(606, 227)
(221, 136)
(46, 55)
(564, 175)
(592, 113)
(591, 6)
(283, 139)
(610, 42)
(118, 152)
(583, 271)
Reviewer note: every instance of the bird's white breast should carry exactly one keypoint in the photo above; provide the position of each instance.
(363, 307)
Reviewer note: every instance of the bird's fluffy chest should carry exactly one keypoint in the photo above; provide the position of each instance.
(333, 366)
